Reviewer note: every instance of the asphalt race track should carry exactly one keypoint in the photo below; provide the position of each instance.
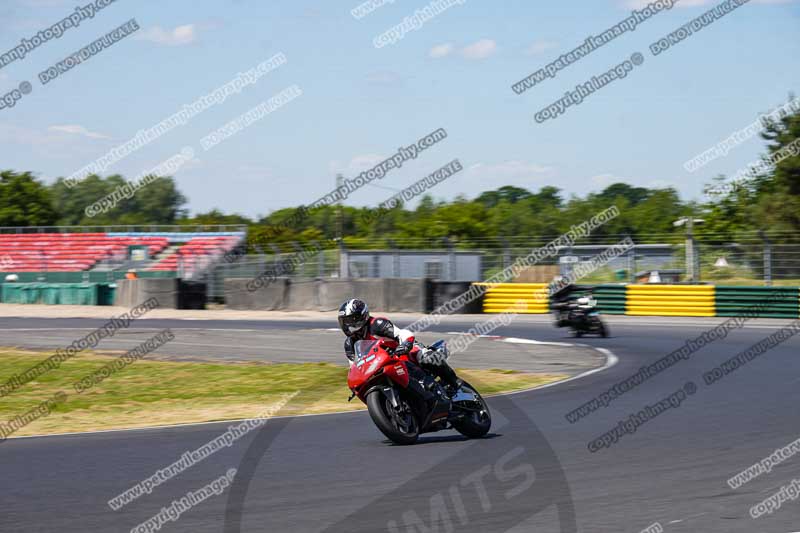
(535, 472)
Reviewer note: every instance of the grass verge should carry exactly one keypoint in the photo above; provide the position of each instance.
(152, 392)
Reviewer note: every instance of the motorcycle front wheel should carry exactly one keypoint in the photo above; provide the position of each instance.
(477, 419)
(399, 425)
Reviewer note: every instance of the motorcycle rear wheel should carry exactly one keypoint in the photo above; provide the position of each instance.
(399, 427)
(477, 423)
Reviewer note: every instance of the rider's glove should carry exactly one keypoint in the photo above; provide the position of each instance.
(403, 348)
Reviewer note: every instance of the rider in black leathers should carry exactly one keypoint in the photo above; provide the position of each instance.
(357, 324)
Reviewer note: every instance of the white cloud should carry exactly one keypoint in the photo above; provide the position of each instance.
(441, 50)
(480, 49)
(75, 129)
(540, 47)
(46, 143)
(477, 50)
(178, 36)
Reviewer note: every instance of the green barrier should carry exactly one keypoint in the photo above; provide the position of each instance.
(57, 293)
(89, 276)
(783, 302)
(610, 299)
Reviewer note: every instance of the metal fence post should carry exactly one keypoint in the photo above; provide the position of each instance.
(298, 250)
(696, 254)
(632, 264)
(767, 258)
(451, 258)
(395, 259)
(276, 257)
(344, 261)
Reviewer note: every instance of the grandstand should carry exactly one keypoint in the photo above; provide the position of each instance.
(177, 253)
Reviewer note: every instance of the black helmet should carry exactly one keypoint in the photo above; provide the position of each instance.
(353, 315)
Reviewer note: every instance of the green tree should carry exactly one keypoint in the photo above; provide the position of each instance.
(771, 199)
(216, 217)
(634, 195)
(158, 202)
(24, 201)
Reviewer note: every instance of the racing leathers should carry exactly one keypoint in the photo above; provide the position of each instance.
(379, 327)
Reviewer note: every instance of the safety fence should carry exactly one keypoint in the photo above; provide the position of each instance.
(653, 300)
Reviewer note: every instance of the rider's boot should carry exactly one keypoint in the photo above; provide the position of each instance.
(450, 379)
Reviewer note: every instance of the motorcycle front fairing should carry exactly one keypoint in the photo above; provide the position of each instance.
(372, 363)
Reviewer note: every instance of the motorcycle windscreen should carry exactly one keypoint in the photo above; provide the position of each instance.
(363, 348)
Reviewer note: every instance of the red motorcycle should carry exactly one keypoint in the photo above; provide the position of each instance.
(404, 401)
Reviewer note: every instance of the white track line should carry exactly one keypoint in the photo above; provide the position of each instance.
(611, 360)
(516, 340)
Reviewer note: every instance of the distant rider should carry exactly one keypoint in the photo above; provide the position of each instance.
(357, 325)
(564, 303)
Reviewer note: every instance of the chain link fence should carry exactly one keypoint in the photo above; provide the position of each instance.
(751, 260)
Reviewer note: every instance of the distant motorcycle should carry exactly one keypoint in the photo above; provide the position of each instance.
(581, 316)
(404, 401)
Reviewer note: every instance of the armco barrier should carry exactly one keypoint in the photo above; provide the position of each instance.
(611, 299)
(504, 298)
(649, 299)
(670, 300)
(784, 302)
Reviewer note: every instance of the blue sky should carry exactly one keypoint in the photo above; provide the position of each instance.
(360, 103)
